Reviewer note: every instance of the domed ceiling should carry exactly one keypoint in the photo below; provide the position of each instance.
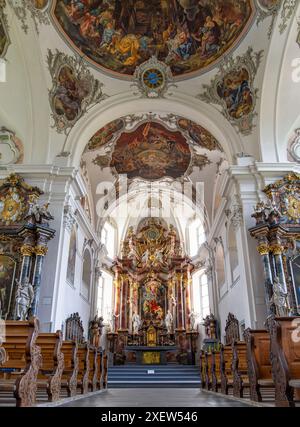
(190, 36)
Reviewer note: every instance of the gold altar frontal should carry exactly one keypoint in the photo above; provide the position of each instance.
(151, 358)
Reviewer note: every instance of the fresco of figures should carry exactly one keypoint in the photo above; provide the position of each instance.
(151, 152)
(199, 135)
(189, 36)
(105, 134)
(69, 94)
(235, 90)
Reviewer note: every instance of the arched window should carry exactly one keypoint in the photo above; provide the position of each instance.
(108, 238)
(105, 296)
(72, 257)
(200, 295)
(220, 265)
(196, 236)
(86, 275)
(233, 252)
(204, 296)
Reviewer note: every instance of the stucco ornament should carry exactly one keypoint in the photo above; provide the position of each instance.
(153, 78)
(37, 9)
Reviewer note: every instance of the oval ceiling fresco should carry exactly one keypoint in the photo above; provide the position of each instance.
(151, 150)
(190, 36)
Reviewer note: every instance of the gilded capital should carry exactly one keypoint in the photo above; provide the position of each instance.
(277, 249)
(27, 250)
(41, 250)
(263, 249)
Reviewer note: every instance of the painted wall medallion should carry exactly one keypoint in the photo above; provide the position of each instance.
(4, 36)
(188, 36)
(233, 90)
(74, 90)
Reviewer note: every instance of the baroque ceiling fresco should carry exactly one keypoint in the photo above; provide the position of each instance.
(189, 36)
(152, 149)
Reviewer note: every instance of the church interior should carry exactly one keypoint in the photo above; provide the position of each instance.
(149, 203)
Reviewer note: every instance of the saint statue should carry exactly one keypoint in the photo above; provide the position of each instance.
(112, 322)
(280, 299)
(24, 299)
(96, 326)
(169, 322)
(145, 257)
(136, 323)
(193, 318)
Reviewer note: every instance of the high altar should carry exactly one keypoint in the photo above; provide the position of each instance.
(153, 321)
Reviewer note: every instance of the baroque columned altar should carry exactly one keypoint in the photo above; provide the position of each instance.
(153, 321)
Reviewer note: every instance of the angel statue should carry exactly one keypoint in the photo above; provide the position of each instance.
(169, 322)
(136, 323)
(24, 299)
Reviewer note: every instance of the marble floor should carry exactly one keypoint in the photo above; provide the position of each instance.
(155, 398)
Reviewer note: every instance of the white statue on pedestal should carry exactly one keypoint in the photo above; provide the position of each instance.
(136, 323)
(24, 299)
(169, 322)
(193, 317)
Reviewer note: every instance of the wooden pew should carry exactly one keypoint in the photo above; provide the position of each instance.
(105, 369)
(259, 363)
(23, 356)
(239, 368)
(285, 359)
(50, 374)
(215, 371)
(70, 373)
(226, 368)
(83, 368)
(93, 368)
(202, 369)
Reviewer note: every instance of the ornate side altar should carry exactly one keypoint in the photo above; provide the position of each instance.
(24, 235)
(277, 232)
(152, 313)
